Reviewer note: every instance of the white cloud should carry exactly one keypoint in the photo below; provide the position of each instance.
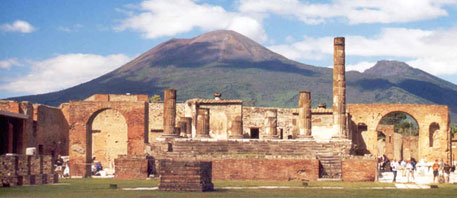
(360, 66)
(63, 71)
(18, 26)
(430, 50)
(160, 18)
(72, 28)
(354, 11)
(8, 63)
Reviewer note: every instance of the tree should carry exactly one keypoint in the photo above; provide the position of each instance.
(453, 130)
(155, 98)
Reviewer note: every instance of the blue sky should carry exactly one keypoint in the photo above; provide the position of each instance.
(52, 45)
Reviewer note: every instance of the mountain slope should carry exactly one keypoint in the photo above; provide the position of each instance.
(232, 64)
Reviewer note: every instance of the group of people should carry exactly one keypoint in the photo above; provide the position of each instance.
(96, 167)
(441, 170)
(407, 168)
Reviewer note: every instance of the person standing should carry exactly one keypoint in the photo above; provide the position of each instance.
(435, 168)
(394, 165)
(410, 169)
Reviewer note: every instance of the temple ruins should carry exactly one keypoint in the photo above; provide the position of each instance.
(241, 142)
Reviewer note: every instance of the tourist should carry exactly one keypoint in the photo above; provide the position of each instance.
(410, 169)
(435, 168)
(394, 166)
(403, 168)
(58, 163)
(446, 172)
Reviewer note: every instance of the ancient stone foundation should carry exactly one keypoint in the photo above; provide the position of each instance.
(185, 176)
(130, 167)
(358, 169)
(17, 170)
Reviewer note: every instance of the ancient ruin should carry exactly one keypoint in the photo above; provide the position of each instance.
(241, 142)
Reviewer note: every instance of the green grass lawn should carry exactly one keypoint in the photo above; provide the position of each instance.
(82, 188)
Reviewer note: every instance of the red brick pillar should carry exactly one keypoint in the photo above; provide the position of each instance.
(203, 123)
(304, 115)
(339, 88)
(236, 128)
(169, 113)
(271, 124)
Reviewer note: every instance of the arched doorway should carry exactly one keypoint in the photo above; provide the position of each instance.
(107, 132)
(398, 136)
(432, 133)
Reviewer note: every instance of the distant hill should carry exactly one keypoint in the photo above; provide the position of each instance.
(239, 68)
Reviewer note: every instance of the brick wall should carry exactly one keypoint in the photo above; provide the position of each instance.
(357, 169)
(130, 167)
(265, 169)
(185, 175)
(26, 170)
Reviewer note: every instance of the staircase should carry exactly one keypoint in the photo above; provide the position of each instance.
(329, 167)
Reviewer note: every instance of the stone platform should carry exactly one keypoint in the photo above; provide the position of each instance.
(185, 176)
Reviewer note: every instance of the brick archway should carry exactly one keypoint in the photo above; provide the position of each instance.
(371, 115)
(81, 115)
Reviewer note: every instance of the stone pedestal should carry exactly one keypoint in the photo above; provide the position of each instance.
(339, 88)
(271, 124)
(236, 128)
(304, 115)
(169, 113)
(203, 123)
(185, 176)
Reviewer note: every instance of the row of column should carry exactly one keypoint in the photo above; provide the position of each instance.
(235, 125)
(184, 128)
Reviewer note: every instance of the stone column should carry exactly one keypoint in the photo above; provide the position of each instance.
(188, 131)
(271, 124)
(202, 123)
(339, 88)
(236, 128)
(169, 113)
(304, 115)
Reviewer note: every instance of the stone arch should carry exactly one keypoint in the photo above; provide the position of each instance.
(432, 131)
(398, 146)
(107, 136)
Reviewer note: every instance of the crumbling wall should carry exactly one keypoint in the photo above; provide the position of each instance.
(219, 115)
(51, 129)
(27, 138)
(254, 117)
(265, 169)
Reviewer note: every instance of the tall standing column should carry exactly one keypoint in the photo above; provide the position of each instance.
(169, 113)
(202, 123)
(304, 115)
(339, 88)
(271, 124)
(236, 128)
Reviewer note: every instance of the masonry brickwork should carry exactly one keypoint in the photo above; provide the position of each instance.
(130, 167)
(358, 169)
(17, 170)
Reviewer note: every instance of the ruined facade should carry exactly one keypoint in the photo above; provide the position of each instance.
(242, 142)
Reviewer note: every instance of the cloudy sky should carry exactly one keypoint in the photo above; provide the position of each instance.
(52, 45)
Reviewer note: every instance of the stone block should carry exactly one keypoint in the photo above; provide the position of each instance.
(185, 176)
(129, 167)
(358, 170)
(35, 164)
